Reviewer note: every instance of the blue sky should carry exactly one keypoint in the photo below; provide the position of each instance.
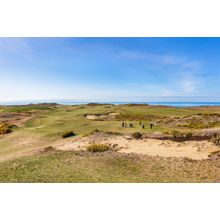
(110, 69)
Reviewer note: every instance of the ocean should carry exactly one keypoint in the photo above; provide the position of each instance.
(173, 104)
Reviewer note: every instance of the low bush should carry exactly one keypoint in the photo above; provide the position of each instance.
(137, 135)
(49, 148)
(98, 147)
(68, 134)
(5, 129)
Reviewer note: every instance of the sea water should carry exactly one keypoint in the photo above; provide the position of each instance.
(173, 104)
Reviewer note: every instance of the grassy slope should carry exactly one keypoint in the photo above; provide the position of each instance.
(57, 166)
(49, 123)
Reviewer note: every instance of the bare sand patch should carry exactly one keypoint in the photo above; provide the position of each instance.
(107, 116)
(196, 150)
(15, 118)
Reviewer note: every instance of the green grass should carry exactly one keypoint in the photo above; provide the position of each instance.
(60, 167)
(49, 122)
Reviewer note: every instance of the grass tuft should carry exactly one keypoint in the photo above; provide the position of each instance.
(68, 134)
(98, 147)
(137, 135)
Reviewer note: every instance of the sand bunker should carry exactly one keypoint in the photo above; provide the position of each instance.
(108, 116)
(165, 148)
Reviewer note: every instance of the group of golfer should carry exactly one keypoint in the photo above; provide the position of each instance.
(130, 125)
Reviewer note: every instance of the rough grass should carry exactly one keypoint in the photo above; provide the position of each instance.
(60, 167)
(137, 117)
(48, 122)
(96, 147)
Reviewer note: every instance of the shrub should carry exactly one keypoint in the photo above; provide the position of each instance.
(98, 147)
(68, 134)
(5, 129)
(216, 139)
(49, 148)
(137, 135)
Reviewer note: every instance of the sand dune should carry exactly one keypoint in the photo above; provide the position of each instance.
(196, 150)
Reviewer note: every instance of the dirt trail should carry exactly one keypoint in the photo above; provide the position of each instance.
(165, 148)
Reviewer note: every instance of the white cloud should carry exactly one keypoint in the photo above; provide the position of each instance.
(189, 82)
(159, 90)
(161, 59)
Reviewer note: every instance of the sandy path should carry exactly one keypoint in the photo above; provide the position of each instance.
(192, 149)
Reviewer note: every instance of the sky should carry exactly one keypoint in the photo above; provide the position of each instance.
(110, 69)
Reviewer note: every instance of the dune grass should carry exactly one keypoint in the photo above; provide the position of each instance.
(59, 167)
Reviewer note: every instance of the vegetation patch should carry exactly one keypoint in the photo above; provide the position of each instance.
(136, 104)
(113, 167)
(137, 135)
(112, 133)
(98, 148)
(137, 117)
(177, 134)
(48, 149)
(5, 129)
(199, 125)
(68, 134)
(97, 104)
(216, 139)
(95, 131)
(215, 154)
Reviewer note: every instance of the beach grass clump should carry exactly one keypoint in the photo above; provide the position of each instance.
(98, 148)
(5, 129)
(137, 135)
(68, 134)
